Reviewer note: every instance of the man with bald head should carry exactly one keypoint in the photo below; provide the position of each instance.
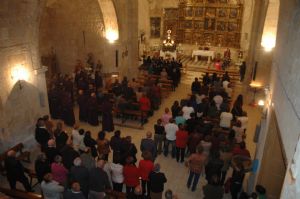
(148, 144)
(98, 181)
(15, 171)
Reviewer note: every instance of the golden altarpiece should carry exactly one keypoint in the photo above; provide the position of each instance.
(206, 22)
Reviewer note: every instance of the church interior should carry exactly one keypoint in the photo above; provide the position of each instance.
(149, 99)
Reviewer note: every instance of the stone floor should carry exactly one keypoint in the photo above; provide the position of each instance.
(177, 173)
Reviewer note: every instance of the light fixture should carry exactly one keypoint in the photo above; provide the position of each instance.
(268, 42)
(111, 35)
(261, 103)
(19, 73)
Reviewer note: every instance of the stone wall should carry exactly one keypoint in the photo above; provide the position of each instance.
(21, 103)
(285, 87)
(73, 30)
(77, 28)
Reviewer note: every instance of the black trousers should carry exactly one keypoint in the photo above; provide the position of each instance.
(180, 154)
(130, 192)
(117, 186)
(23, 179)
(146, 184)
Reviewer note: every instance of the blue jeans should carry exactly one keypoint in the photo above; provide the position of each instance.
(166, 151)
(193, 177)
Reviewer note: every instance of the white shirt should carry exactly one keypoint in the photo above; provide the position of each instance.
(77, 139)
(187, 112)
(225, 119)
(171, 130)
(52, 190)
(225, 84)
(244, 121)
(116, 173)
(218, 100)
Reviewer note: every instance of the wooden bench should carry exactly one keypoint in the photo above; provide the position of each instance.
(115, 195)
(134, 113)
(20, 194)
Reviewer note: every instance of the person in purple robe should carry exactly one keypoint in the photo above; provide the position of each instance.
(107, 116)
(82, 103)
(93, 110)
(67, 109)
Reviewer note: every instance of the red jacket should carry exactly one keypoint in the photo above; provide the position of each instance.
(145, 167)
(241, 152)
(131, 175)
(181, 138)
(145, 104)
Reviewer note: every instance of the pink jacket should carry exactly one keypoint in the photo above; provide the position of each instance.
(59, 173)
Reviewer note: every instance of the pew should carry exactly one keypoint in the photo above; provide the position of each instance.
(20, 194)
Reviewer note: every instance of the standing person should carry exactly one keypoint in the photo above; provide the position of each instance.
(171, 130)
(60, 136)
(82, 103)
(117, 176)
(213, 190)
(131, 176)
(243, 71)
(128, 149)
(74, 192)
(145, 167)
(51, 151)
(41, 134)
(159, 135)
(196, 86)
(58, 171)
(237, 179)
(175, 109)
(50, 188)
(181, 142)
(165, 118)
(148, 144)
(92, 109)
(67, 109)
(15, 171)
(41, 167)
(157, 180)
(115, 144)
(196, 163)
(107, 117)
(103, 146)
(91, 143)
(80, 174)
(225, 119)
(98, 181)
(187, 110)
(145, 107)
(77, 138)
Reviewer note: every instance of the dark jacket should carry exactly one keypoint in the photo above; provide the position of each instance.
(69, 194)
(148, 145)
(98, 180)
(42, 136)
(51, 152)
(68, 155)
(81, 175)
(157, 181)
(14, 168)
(41, 168)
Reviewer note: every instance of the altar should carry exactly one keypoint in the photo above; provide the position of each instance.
(205, 53)
(168, 54)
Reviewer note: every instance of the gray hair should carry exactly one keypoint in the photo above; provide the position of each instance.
(169, 194)
(157, 167)
(77, 161)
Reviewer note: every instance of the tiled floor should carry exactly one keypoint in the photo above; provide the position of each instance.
(177, 173)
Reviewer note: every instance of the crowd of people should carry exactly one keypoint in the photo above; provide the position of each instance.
(199, 131)
(95, 96)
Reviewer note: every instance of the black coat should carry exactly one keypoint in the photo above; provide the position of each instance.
(68, 155)
(42, 136)
(81, 175)
(51, 152)
(41, 168)
(14, 168)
